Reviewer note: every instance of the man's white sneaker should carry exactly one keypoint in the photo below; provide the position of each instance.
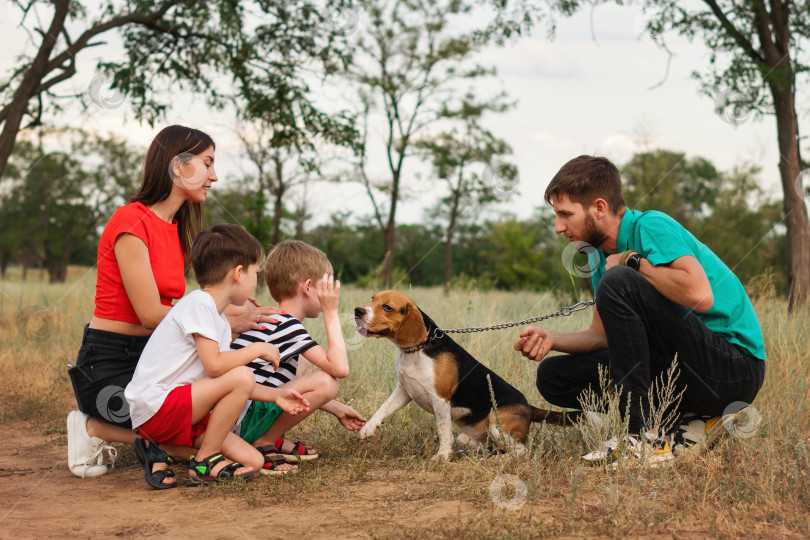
(86, 453)
(606, 453)
(653, 451)
(696, 432)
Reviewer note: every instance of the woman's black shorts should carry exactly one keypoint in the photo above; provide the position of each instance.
(105, 366)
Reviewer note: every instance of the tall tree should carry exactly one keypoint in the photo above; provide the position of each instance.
(754, 66)
(55, 199)
(466, 161)
(408, 57)
(168, 45)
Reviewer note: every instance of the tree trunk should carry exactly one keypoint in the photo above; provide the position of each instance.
(795, 210)
(448, 246)
(278, 212)
(390, 236)
(5, 257)
(15, 111)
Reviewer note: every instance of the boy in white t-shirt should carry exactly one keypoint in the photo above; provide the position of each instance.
(189, 387)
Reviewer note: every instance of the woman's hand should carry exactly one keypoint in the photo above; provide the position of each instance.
(250, 316)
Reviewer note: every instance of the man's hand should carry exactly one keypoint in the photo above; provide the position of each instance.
(267, 352)
(351, 419)
(291, 401)
(613, 260)
(329, 293)
(250, 316)
(534, 343)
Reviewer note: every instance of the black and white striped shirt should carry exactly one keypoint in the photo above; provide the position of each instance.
(291, 338)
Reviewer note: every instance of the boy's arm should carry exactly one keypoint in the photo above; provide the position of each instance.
(348, 417)
(304, 366)
(288, 399)
(333, 360)
(216, 362)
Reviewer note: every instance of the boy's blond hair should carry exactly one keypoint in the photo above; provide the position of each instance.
(291, 262)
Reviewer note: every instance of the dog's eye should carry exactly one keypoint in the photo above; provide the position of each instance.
(386, 307)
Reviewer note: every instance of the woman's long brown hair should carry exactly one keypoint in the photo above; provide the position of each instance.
(157, 183)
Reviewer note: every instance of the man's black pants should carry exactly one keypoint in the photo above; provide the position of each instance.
(644, 332)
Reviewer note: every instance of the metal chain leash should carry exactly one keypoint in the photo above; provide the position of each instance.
(564, 312)
(440, 332)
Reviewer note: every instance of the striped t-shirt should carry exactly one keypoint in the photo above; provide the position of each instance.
(291, 338)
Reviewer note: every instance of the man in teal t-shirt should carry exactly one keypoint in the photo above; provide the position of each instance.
(659, 293)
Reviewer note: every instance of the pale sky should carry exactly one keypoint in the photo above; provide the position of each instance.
(574, 95)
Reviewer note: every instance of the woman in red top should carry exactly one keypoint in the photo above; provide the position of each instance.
(141, 263)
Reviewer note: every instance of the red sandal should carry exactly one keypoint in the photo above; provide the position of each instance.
(273, 459)
(299, 453)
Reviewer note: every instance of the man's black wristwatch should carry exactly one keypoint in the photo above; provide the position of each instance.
(634, 261)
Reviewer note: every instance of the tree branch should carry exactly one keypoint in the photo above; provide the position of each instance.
(733, 32)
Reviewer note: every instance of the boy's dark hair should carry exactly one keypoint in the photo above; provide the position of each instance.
(291, 262)
(220, 248)
(585, 179)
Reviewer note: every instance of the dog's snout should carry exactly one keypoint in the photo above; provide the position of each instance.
(359, 312)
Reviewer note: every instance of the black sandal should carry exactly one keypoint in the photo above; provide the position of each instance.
(273, 459)
(148, 456)
(202, 470)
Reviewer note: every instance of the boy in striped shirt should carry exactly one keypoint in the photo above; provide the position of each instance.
(300, 279)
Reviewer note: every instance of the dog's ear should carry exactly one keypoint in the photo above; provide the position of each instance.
(412, 331)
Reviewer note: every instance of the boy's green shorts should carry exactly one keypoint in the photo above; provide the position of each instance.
(258, 419)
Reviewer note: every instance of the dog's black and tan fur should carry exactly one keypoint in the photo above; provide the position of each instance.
(446, 380)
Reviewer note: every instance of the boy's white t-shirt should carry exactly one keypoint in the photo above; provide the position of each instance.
(170, 358)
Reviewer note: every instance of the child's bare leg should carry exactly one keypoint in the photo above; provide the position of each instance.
(227, 395)
(319, 388)
(237, 449)
(112, 433)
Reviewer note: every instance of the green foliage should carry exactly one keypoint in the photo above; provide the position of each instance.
(726, 211)
(53, 202)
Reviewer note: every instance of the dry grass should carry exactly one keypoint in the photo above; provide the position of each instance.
(753, 487)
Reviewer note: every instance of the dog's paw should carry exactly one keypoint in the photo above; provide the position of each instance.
(442, 456)
(463, 439)
(367, 431)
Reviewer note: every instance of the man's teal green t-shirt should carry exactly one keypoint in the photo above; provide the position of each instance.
(660, 239)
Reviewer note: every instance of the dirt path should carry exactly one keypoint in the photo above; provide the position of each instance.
(39, 498)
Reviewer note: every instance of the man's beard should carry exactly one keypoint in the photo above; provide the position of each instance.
(593, 235)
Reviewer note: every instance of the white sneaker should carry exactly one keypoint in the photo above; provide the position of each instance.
(653, 451)
(86, 453)
(605, 454)
(699, 432)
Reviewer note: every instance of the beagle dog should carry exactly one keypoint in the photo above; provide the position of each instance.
(445, 380)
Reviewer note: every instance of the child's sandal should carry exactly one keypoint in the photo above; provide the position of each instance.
(271, 462)
(202, 470)
(273, 459)
(148, 456)
(299, 453)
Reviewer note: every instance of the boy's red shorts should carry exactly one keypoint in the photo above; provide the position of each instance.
(172, 423)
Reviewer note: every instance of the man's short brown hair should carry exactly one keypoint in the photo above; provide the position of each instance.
(585, 179)
(291, 262)
(219, 249)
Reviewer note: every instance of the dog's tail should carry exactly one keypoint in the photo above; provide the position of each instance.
(558, 418)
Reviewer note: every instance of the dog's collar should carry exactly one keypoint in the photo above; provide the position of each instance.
(416, 348)
(436, 334)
